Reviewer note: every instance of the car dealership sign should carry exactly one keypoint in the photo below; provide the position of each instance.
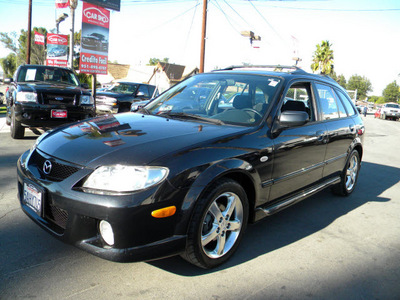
(57, 50)
(94, 39)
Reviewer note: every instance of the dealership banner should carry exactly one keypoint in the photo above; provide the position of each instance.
(39, 38)
(110, 4)
(62, 3)
(57, 50)
(94, 39)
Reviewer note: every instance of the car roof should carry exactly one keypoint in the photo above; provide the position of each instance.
(287, 72)
(44, 66)
(130, 82)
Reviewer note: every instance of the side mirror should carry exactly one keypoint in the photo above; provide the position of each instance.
(85, 86)
(140, 94)
(291, 118)
(8, 80)
(287, 119)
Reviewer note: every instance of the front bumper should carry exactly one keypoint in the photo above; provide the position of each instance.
(392, 114)
(37, 115)
(73, 216)
(106, 109)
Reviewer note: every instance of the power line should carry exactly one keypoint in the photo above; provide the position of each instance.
(216, 4)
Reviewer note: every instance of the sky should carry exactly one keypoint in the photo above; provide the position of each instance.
(364, 34)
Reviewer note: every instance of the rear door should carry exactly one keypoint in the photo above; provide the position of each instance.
(336, 113)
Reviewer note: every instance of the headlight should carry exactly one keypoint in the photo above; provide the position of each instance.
(26, 97)
(87, 99)
(120, 178)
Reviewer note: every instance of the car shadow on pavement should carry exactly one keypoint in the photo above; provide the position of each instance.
(298, 221)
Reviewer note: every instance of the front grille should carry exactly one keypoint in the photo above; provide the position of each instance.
(56, 215)
(58, 172)
(57, 99)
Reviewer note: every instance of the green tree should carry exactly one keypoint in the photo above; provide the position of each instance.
(341, 80)
(361, 84)
(392, 92)
(373, 99)
(154, 61)
(9, 65)
(323, 58)
(18, 45)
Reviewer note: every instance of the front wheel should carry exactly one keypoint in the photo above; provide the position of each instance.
(349, 175)
(217, 226)
(16, 129)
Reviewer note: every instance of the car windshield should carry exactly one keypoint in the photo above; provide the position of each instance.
(392, 105)
(123, 88)
(220, 98)
(47, 74)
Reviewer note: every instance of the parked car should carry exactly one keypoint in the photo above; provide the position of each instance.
(390, 111)
(45, 96)
(176, 178)
(120, 96)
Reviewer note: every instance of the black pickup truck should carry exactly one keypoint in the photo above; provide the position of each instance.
(45, 96)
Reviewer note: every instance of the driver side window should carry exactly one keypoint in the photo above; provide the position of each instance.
(299, 98)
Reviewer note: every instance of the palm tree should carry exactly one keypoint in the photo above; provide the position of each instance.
(323, 58)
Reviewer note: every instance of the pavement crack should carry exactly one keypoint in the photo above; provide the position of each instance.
(9, 212)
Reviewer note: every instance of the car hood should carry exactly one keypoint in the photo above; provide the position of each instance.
(129, 138)
(50, 88)
(111, 94)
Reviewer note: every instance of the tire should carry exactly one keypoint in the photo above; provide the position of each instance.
(217, 225)
(16, 129)
(8, 119)
(349, 175)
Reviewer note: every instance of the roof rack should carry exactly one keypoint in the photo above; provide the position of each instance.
(276, 68)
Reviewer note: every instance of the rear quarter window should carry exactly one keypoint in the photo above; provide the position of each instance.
(351, 110)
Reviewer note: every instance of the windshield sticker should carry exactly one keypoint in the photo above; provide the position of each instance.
(273, 82)
(30, 74)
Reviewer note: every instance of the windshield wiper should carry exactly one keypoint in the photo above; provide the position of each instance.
(182, 115)
(144, 111)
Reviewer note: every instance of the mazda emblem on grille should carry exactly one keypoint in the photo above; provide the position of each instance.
(47, 167)
(59, 98)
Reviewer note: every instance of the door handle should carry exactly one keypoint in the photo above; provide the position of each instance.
(321, 135)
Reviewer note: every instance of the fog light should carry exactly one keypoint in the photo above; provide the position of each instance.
(106, 232)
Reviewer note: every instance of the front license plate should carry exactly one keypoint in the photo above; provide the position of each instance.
(33, 197)
(59, 114)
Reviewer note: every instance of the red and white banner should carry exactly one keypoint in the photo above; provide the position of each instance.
(94, 39)
(62, 3)
(57, 50)
(39, 38)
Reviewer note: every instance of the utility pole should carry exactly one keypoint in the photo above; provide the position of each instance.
(203, 37)
(73, 4)
(28, 54)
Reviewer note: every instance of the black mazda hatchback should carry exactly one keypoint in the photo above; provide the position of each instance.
(186, 173)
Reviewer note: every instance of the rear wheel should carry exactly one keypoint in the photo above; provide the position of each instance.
(349, 175)
(219, 220)
(16, 129)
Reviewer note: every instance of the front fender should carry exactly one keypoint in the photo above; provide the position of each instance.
(232, 168)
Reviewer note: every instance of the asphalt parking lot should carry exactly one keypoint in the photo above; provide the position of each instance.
(325, 247)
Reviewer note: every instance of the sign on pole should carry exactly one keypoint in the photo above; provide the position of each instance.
(62, 3)
(39, 38)
(57, 50)
(94, 39)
